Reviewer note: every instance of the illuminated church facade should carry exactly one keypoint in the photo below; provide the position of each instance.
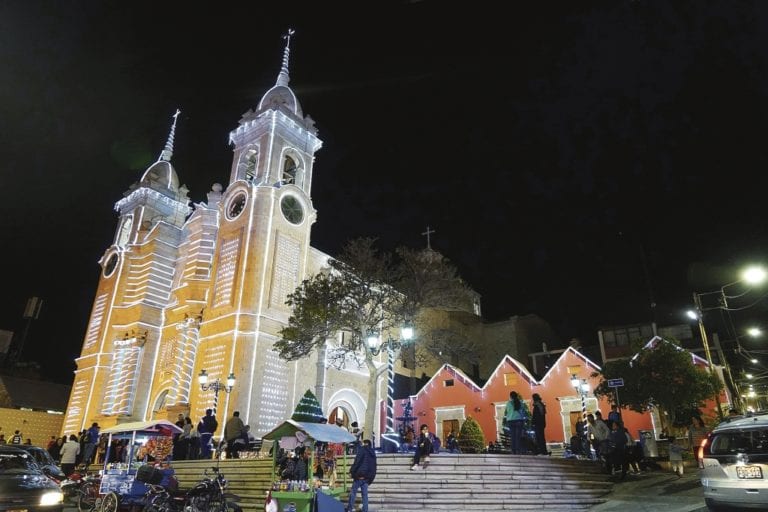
(185, 288)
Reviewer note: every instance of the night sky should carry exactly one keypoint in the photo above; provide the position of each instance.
(577, 160)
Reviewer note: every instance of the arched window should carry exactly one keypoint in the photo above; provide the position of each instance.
(248, 161)
(160, 404)
(125, 231)
(290, 169)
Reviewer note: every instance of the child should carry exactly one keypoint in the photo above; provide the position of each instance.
(675, 457)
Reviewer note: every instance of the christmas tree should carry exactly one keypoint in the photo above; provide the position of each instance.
(471, 438)
(308, 409)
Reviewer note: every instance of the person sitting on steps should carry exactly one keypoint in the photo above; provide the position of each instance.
(423, 448)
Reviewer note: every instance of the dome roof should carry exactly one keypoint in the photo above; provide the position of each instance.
(161, 176)
(281, 96)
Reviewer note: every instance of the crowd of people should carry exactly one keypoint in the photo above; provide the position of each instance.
(194, 442)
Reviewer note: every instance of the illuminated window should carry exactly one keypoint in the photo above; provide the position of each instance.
(511, 379)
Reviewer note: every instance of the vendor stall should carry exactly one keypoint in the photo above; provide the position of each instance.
(317, 438)
(145, 442)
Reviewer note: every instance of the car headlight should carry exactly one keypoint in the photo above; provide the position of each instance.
(51, 498)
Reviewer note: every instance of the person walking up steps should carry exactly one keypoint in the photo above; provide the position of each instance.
(423, 448)
(363, 472)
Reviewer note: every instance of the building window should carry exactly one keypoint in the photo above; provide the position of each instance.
(289, 170)
(448, 383)
(511, 379)
(623, 337)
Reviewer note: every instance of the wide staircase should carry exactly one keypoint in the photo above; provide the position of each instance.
(450, 482)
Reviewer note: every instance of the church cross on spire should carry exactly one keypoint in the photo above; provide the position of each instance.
(283, 78)
(167, 152)
(427, 233)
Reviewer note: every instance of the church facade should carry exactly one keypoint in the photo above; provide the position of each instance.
(186, 288)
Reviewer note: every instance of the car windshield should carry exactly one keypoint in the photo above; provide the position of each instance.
(16, 463)
(746, 441)
(39, 455)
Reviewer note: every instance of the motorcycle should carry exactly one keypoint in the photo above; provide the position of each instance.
(209, 495)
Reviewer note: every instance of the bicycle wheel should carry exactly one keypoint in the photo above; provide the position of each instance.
(86, 497)
(110, 503)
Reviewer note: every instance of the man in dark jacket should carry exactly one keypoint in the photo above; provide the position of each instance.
(207, 427)
(539, 422)
(363, 472)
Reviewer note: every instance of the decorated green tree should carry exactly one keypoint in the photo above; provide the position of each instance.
(471, 438)
(308, 409)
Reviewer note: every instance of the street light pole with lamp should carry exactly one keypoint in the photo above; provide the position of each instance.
(391, 346)
(751, 276)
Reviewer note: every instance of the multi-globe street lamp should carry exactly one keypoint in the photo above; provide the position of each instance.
(391, 346)
(215, 386)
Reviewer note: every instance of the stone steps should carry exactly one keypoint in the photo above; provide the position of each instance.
(450, 482)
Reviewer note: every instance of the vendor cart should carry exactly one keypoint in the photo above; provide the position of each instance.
(125, 482)
(309, 435)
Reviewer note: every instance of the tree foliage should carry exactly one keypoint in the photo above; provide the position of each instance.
(661, 376)
(367, 292)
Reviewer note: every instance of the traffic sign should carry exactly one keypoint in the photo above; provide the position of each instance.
(615, 383)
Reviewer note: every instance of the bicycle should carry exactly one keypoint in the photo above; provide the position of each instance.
(88, 498)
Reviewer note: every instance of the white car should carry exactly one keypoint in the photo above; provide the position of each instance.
(734, 464)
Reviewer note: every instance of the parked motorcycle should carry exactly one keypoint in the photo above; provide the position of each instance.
(210, 495)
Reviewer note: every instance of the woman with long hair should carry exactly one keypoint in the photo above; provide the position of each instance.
(514, 420)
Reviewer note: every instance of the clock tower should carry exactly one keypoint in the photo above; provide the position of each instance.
(263, 254)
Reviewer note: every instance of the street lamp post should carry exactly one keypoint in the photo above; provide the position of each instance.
(391, 346)
(215, 386)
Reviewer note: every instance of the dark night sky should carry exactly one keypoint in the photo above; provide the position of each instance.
(577, 160)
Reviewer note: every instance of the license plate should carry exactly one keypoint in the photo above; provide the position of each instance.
(749, 472)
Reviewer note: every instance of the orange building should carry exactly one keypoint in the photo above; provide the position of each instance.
(450, 396)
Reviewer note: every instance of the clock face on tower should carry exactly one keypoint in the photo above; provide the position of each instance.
(236, 205)
(292, 209)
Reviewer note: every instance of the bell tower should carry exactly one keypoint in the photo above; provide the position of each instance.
(263, 248)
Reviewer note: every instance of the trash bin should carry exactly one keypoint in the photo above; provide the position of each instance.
(648, 440)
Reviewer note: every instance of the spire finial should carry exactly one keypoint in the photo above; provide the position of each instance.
(283, 78)
(167, 152)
